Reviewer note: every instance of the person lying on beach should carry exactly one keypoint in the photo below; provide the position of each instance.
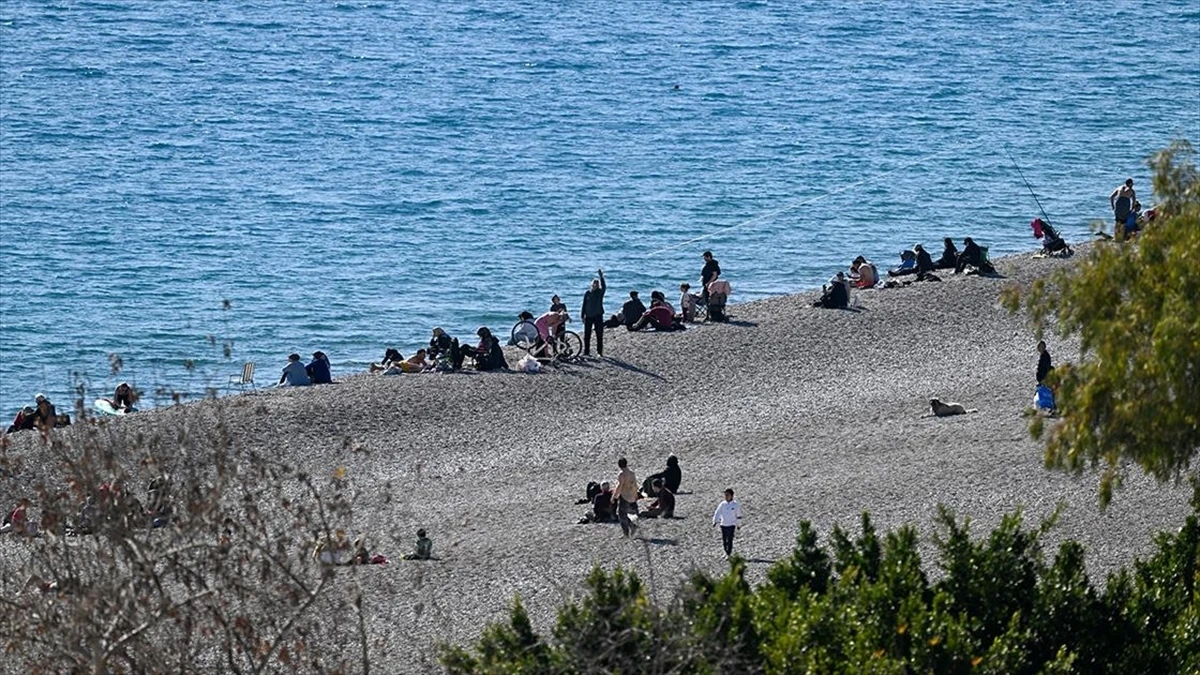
(294, 373)
(318, 369)
(972, 256)
(671, 477)
(835, 294)
(26, 419)
(663, 505)
(414, 364)
(424, 549)
(660, 317)
(689, 303)
(949, 259)
(863, 273)
(391, 359)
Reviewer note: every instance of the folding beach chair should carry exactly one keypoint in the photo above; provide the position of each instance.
(245, 378)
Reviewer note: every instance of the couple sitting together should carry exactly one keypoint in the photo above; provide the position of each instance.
(445, 354)
(635, 316)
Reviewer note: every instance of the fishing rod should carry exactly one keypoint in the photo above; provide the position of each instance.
(1022, 175)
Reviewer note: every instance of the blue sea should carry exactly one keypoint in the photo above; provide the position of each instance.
(185, 186)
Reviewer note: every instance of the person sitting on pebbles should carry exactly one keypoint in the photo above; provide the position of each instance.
(439, 344)
(663, 505)
(123, 397)
(488, 355)
(424, 549)
(318, 369)
(294, 373)
(603, 510)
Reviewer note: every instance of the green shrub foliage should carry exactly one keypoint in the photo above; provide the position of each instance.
(863, 604)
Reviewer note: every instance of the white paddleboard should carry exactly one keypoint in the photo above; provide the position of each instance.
(105, 406)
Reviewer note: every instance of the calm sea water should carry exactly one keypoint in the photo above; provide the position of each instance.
(178, 178)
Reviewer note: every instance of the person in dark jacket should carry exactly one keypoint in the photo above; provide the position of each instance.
(949, 259)
(489, 355)
(631, 311)
(973, 255)
(671, 477)
(708, 274)
(45, 416)
(318, 369)
(439, 343)
(836, 294)
(592, 313)
(663, 505)
(1044, 367)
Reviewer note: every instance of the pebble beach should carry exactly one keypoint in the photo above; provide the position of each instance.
(808, 414)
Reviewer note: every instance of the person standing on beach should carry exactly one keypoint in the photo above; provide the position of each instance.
(729, 517)
(708, 274)
(1044, 367)
(625, 497)
(1121, 201)
(592, 314)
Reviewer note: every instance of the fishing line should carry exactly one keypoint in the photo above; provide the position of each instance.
(1014, 161)
(813, 200)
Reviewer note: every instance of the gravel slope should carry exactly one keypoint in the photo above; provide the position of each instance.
(807, 413)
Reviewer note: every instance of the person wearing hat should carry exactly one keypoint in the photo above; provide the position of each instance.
(318, 369)
(45, 417)
(294, 373)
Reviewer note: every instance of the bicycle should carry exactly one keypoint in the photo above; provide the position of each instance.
(566, 345)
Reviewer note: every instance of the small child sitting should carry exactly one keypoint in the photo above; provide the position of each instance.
(424, 547)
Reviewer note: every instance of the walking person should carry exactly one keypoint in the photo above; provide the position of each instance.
(729, 516)
(592, 314)
(625, 497)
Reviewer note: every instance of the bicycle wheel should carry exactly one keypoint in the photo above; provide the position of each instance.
(569, 345)
(524, 335)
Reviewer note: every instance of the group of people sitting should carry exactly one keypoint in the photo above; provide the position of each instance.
(660, 487)
(109, 505)
(659, 316)
(339, 550)
(297, 374)
(41, 415)
(915, 261)
(444, 353)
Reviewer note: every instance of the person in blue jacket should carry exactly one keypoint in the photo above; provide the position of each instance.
(318, 369)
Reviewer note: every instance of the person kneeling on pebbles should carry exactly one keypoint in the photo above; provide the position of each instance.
(664, 504)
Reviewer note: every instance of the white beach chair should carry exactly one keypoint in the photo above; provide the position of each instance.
(245, 378)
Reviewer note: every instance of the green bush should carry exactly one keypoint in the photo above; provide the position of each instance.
(863, 604)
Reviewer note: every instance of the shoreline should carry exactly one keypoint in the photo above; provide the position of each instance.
(808, 413)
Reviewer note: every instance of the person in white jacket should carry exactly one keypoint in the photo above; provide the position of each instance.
(729, 516)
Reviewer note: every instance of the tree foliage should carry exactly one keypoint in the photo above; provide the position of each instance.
(1135, 307)
(864, 605)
